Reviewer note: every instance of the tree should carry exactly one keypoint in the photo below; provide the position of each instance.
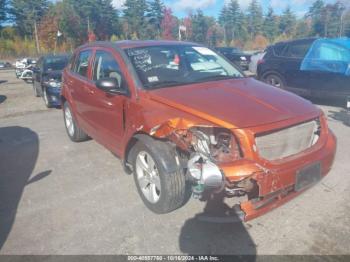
(303, 28)
(200, 26)
(315, 12)
(98, 16)
(26, 14)
(3, 11)
(156, 15)
(287, 22)
(255, 18)
(70, 23)
(331, 15)
(187, 22)
(270, 26)
(135, 16)
(233, 21)
(224, 21)
(168, 23)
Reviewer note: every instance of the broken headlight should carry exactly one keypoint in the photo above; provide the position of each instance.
(215, 143)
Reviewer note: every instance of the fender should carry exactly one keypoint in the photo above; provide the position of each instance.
(164, 153)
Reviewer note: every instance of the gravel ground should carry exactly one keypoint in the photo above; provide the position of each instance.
(57, 197)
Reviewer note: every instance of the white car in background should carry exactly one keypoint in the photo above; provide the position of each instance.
(254, 61)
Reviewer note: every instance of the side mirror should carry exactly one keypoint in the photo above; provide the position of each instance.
(111, 85)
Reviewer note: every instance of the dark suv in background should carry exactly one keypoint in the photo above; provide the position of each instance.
(47, 78)
(282, 68)
(236, 56)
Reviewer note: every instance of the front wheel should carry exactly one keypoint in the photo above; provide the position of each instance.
(161, 192)
(46, 98)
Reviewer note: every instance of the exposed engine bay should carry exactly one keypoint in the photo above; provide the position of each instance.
(206, 148)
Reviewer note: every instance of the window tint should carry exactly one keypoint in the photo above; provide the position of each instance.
(278, 49)
(82, 63)
(332, 52)
(298, 50)
(105, 66)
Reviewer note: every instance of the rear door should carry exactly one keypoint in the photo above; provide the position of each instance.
(297, 80)
(103, 110)
(77, 81)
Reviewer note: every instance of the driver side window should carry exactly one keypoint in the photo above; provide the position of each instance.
(105, 66)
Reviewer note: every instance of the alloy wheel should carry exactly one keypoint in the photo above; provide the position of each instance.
(148, 177)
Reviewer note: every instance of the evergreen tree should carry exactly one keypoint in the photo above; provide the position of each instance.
(199, 27)
(98, 16)
(27, 13)
(270, 26)
(156, 15)
(135, 16)
(287, 22)
(315, 12)
(255, 18)
(224, 21)
(234, 18)
(2, 11)
(302, 29)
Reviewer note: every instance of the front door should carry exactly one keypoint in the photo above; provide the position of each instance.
(106, 110)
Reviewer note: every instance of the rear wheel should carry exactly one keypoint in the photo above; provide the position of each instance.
(75, 133)
(275, 80)
(161, 191)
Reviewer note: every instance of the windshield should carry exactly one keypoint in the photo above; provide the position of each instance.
(164, 66)
(55, 63)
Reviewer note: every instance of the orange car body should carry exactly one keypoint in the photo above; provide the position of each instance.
(245, 106)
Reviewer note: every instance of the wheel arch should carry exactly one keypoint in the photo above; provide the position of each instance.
(270, 72)
(166, 152)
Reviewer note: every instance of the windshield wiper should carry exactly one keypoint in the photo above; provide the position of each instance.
(216, 77)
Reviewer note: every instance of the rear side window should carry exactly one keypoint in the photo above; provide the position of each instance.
(298, 50)
(278, 49)
(82, 63)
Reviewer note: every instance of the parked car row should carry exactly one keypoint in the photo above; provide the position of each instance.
(184, 120)
(5, 65)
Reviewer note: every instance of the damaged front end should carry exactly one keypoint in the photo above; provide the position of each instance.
(206, 151)
(218, 163)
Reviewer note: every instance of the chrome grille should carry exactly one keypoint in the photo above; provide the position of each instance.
(288, 141)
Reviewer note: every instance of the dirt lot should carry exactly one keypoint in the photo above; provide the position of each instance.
(57, 197)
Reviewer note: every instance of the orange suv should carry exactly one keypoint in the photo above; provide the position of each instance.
(185, 120)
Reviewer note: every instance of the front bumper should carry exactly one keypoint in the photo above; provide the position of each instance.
(276, 184)
(53, 95)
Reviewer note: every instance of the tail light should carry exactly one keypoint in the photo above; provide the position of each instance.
(260, 61)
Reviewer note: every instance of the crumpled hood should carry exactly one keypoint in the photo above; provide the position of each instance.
(239, 103)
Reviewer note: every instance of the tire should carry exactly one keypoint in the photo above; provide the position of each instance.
(46, 99)
(36, 94)
(275, 80)
(169, 189)
(75, 133)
